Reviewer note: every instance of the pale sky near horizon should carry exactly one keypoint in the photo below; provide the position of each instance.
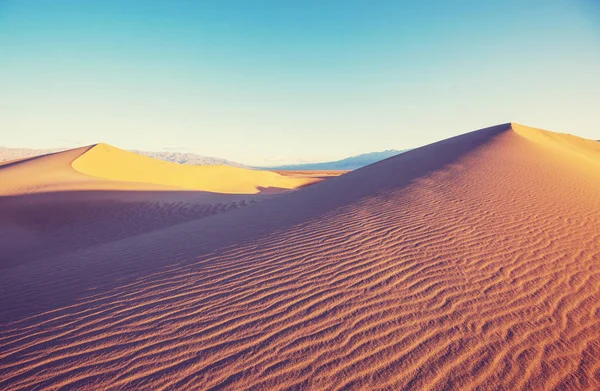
(275, 82)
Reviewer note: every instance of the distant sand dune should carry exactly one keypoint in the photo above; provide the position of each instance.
(472, 263)
(104, 167)
(107, 162)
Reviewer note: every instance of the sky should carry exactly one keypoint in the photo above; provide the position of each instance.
(278, 82)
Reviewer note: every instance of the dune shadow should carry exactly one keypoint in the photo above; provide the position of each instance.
(41, 225)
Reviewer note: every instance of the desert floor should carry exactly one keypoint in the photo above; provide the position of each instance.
(312, 173)
(471, 263)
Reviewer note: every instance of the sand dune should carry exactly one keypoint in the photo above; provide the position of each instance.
(107, 162)
(69, 200)
(472, 263)
(104, 167)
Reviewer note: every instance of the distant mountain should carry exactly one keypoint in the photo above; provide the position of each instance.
(192, 159)
(7, 154)
(350, 163)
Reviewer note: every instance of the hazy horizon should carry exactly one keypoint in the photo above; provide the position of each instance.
(272, 83)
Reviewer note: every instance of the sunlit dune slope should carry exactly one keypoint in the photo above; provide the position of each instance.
(107, 162)
(54, 172)
(471, 263)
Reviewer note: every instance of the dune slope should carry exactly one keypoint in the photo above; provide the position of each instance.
(472, 263)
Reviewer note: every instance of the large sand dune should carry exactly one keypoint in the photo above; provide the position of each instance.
(74, 199)
(472, 263)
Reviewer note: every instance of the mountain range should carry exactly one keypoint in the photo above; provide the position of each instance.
(350, 163)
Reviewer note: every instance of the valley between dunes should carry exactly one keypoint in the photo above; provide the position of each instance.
(471, 263)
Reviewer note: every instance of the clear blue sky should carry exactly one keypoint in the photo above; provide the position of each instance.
(269, 82)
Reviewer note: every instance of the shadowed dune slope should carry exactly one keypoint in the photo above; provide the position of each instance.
(39, 225)
(472, 263)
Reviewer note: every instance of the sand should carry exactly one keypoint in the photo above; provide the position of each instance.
(64, 201)
(472, 263)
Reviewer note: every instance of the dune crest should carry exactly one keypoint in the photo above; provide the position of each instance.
(471, 263)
